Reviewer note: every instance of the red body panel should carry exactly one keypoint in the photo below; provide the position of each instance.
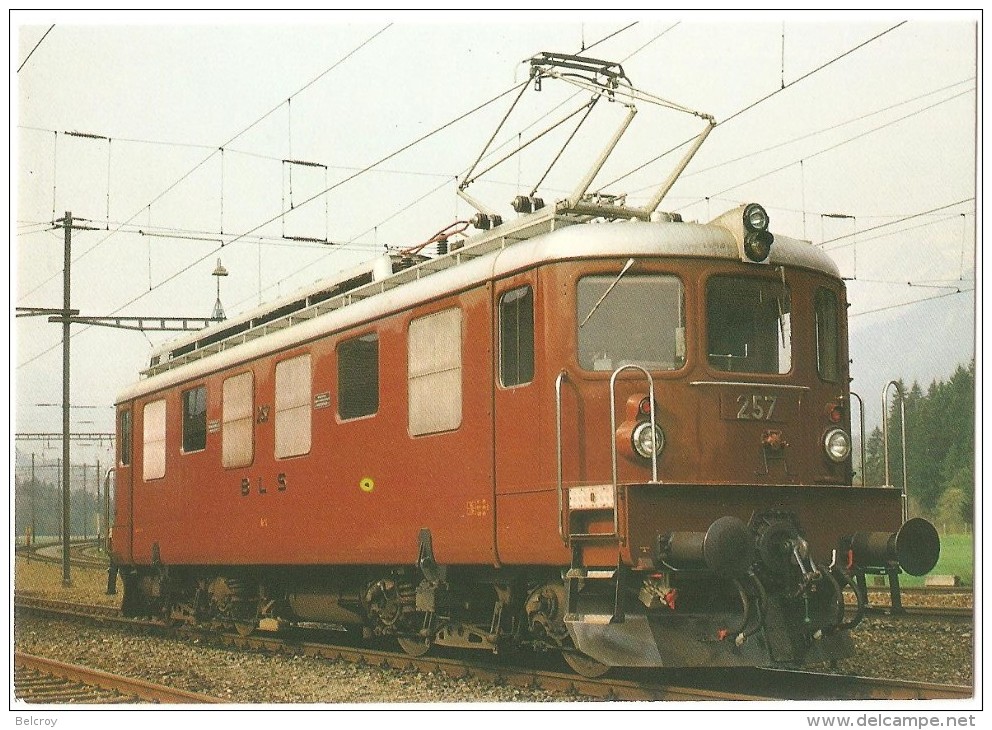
(487, 490)
(197, 514)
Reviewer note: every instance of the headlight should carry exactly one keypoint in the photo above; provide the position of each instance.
(757, 239)
(755, 218)
(647, 442)
(837, 444)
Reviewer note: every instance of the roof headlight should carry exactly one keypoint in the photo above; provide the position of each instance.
(837, 444)
(755, 218)
(647, 441)
(757, 239)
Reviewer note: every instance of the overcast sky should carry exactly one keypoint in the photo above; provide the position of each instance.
(874, 119)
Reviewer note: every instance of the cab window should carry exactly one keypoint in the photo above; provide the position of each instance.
(749, 325)
(630, 320)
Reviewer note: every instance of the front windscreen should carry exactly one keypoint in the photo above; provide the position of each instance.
(749, 325)
(630, 319)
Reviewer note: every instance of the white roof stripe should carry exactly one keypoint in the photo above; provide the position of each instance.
(592, 240)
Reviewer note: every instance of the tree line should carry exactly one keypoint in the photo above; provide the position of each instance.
(940, 449)
(38, 507)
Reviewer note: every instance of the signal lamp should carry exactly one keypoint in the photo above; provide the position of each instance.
(757, 239)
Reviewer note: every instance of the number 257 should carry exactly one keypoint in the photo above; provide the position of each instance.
(755, 407)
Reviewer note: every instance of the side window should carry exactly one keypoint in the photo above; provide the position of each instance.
(516, 337)
(126, 436)
(358, 376)
(237, 437)
(154, 440)
(435, 372)
(827, 336)
(293, 407)
(195, 419)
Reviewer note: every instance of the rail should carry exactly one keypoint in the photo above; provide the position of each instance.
(84, 678)
(694, 684)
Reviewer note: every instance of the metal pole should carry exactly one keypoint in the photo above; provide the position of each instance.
(99, 516)
(66, 278)
(106, 509)
(86, 526)
(58, 495)
(32, 501)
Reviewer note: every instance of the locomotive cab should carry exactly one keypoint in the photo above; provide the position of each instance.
(727, 530)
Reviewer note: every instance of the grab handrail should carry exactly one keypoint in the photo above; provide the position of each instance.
(561, 504)
(861, 411)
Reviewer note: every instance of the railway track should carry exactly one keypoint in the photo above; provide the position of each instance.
(681, 685)
(960, 613)
(82, 554)
(43, 681)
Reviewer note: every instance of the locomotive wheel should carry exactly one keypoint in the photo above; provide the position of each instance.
(413, 647)
(584, 664)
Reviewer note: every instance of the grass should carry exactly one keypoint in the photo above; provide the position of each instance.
(957, 557)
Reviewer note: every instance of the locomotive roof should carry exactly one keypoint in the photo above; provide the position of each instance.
(493, 254)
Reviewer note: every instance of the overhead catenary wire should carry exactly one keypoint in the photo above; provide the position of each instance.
(906, 304)
(815, 133)
(35, 48)
(214, 151)
(755, 103)
(373, 229)
(226, 145)
(245, 153)
(276, 217)
(272, 219)
(892, 223)
(889, 234)
(841, 143)
(245, 236)
(344, 181)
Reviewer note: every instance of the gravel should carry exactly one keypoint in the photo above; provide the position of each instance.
(925, 650)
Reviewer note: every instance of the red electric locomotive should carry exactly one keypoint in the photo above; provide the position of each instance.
(596, 429)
